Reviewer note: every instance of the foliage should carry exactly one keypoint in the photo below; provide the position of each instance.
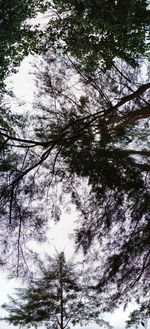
(56, 299)
(86, 140)
(81, 146)
(142, 313)
(17, 40)
(94, 31)
(16, 37)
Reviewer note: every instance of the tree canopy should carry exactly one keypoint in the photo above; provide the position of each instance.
(86, 140)
(102, 30)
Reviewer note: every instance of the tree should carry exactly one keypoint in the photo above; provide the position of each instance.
(56, 299)
(92, 140)
(83, 142)
(94, 31)
(16, 38)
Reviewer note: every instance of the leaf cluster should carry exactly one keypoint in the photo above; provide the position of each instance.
(94, 31)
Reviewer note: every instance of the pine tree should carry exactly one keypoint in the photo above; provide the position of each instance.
(57, 299)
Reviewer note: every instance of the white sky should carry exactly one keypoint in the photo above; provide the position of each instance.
(22, 84)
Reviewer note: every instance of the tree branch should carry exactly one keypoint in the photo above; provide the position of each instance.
(21, 140)
(129, 118)
(133, 95)
(145, 264)
(138, 152)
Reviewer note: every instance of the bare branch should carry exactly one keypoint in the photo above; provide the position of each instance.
(21, 140)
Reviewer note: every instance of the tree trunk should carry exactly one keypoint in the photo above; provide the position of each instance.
(61, 296)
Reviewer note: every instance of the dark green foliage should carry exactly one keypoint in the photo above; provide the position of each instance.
(101, 30)
(16, 37)
(56, 299)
